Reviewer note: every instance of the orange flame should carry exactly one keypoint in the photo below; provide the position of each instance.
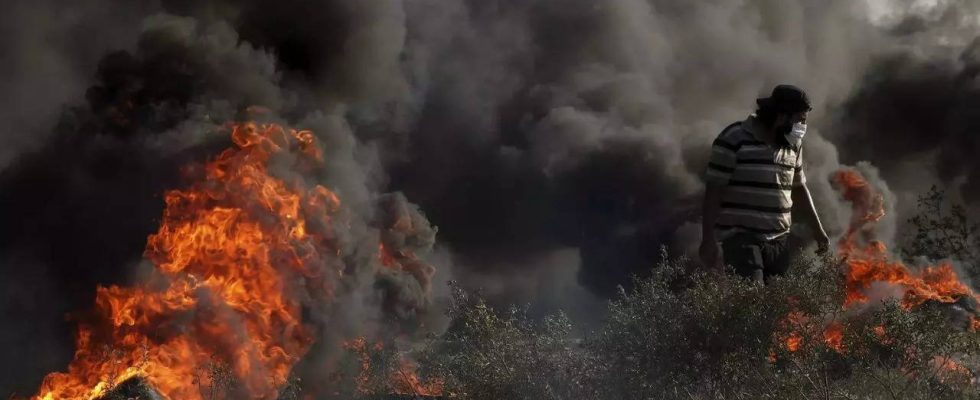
(407, 382)
(833, 336)
(404, 380)
(793, 341)
(948, 369)
(228, 255)
(870, 263)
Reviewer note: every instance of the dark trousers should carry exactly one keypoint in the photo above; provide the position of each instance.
(755, 258)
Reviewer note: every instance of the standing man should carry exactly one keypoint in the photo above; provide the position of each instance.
(754, 181)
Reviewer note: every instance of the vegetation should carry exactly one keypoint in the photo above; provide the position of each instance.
(693, 336)
(942, 230)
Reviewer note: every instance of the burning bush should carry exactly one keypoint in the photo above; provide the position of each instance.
(700, 336)
(713, 336)
(721, 337)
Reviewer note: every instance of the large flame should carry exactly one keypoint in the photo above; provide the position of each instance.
(866, 263)
(234, 255)
(869, 263)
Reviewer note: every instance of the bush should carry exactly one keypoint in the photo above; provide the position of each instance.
(943, 231)
(700, 336)
(713, 338)
(486, 354)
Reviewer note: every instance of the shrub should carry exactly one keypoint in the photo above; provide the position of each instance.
(701, 336)
(486, 354)
(942, 230)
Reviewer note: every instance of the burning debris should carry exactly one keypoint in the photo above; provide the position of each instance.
(238, 255)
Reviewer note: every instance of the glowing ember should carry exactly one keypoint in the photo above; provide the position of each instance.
(793, 341)
(234, 254)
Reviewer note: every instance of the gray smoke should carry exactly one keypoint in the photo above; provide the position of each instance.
(556, 145)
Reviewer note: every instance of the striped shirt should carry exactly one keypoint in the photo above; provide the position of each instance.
(758, 180)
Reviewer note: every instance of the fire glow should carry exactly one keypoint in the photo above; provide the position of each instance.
(235, 254)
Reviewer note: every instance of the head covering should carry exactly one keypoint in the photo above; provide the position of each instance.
(786, 99)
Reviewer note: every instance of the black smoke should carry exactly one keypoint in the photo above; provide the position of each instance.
(915, 113)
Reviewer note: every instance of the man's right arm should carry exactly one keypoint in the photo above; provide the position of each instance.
(716, 177)
(710, 254)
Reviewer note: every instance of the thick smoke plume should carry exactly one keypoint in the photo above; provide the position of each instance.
(556, 145)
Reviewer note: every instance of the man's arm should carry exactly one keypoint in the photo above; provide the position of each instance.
(803, 205)
(709, 251)
(716, 177)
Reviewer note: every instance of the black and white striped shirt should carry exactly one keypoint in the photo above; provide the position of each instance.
(758, 179)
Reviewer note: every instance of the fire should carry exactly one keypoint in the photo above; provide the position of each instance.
(791, 326)
(870, 263)
(403, 380)
(385, 257)
(879, 331)
(948, 369)
(833, 336)
(234, 255)
(793, 341)
(406, 381)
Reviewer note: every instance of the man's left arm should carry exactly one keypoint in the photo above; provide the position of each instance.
(804, 207)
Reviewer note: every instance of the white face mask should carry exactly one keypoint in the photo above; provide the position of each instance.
(795, 135)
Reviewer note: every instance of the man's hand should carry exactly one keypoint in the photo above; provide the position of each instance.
(804, 203)
(711, 255)
(710, 251)
(823, 244)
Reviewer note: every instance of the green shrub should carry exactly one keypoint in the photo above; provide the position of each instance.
(486, 354)
(699, 336)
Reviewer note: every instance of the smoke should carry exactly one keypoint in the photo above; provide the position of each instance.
(83, 203)
(50, 50)
(571, 124)
(556, 145)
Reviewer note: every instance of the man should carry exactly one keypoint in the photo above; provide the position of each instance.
(754, 181)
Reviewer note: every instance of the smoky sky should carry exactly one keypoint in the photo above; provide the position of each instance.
(555, 146)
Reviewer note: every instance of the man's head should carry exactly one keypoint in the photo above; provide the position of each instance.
(787, 105)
